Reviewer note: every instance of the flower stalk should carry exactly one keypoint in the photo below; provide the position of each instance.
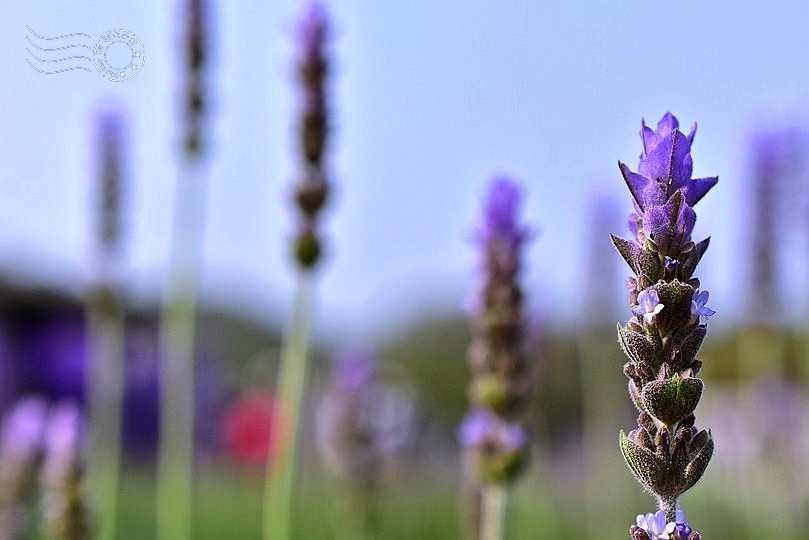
(311, 195)
(104, 374)
(501, 382)
(667, 453)
(175, 460)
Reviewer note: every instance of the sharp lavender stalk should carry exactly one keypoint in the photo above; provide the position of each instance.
(501, 381)
(666, 453)
(311, 195)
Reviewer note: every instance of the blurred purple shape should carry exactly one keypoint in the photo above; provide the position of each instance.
(61, 442)
(362, 423)
(312, 30)
(482, 427)
(501, 209)
(23, 425)
(353, 372)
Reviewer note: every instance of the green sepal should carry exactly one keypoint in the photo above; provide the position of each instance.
(641, 461)
(671, 400)
(699, 462)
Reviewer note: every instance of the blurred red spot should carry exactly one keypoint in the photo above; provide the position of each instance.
(250, 429)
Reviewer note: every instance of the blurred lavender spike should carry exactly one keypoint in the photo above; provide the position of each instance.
(776, 157)
(179, 307)
(666, 453)
(104, 367)
(502, 382)
(311, 192)
(111, 135)
(64, 506)
(196, 84)
(20, 448)
(362, 422)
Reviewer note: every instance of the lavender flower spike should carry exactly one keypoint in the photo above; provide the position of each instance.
(495, 442)
(667, 453)
(500, 377)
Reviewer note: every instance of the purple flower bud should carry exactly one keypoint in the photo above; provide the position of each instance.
(648, 305)
(501, 214)
(670, 226)
(681, 530)
(666, 165)
(312, 29)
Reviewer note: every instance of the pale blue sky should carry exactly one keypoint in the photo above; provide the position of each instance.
(430, 100)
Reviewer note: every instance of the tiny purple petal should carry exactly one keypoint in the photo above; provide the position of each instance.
(483, 426)
(697, 188)
(654, 524)
(670, 225)
(681, 530)
(646, 191)
(475, 427)
(698, 306)
(665, 166)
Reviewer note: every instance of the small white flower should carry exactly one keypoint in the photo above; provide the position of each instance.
(655, 524)
(648, 305)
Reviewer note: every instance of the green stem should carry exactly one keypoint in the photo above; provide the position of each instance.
(104, 380)
(493, 512)
(177, 332)
(280, 482)
(669, 505)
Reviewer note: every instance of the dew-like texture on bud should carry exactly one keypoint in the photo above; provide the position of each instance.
(666, 453)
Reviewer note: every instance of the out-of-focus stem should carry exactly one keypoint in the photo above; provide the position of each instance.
(493, 512)
(280, 484)
(105, 389)
(177, 332)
